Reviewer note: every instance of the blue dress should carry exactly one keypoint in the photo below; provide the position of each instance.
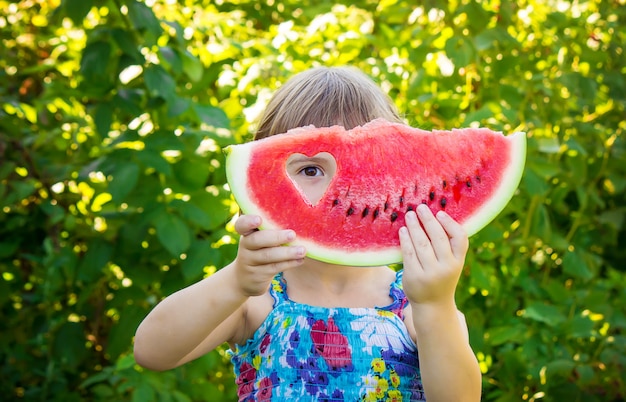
(312, 353)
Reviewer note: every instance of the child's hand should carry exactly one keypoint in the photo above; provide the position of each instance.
(262, 254)
(433, 256)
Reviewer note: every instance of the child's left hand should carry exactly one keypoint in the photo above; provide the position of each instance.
(433, 256)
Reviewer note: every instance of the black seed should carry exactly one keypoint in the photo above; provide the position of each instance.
(468, 183)
(401, 200)
(366, 211)
(376, 213)
(445, 184)
(424, 202)
(431, 195)
(350, 211)
(410, 208)
(386, 206)
(335, 202)
(394, 216)
(478, 179)
(443, 202)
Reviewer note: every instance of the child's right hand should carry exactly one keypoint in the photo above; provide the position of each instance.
(262, 254)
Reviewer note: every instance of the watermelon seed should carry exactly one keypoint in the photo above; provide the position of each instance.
(386, 206)
(431, 195)
(366, 211)
(394, 216)
(376, 213)
(443, 202)
(478, 178)
(350, 211)
(335, 202)
(410, 208)
(424, 202)
(445, 184)
(468, 183)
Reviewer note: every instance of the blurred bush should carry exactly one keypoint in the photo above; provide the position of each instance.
(112, 119)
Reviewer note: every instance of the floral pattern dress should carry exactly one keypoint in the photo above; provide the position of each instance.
(329, 354)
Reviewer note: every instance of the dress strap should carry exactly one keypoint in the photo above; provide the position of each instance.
(278, 289)
(396, 292)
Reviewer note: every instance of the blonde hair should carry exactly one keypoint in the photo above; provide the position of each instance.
(323, 97)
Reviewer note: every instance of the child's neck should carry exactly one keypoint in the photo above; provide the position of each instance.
(326, 285)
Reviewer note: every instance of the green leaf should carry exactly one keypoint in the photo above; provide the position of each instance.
(544, 170)
(192, 66)
(94, 62)
(120, 338)
(545, 313)
(459, 51)
(216, 207)
(125, 178)
(98, 254)
(173, 233)
(213, 116)
(479, 115)
(486, 39)
(199, 255)
(506, 334)
(192, 213)
(541, 223)
(580, 327)
(192, 174)
(77, 10)
(103, 118)
(142, 17)
(127, 42)
(170, 58)
(575, 265)
(586, 373)
(68, 347)
(143, 392)
(159, 82)
(155, 160)
(560, 368)
(177, 106)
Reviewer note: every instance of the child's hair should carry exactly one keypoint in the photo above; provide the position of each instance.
(323, 97)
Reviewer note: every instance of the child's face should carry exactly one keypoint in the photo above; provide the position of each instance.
(312, 174)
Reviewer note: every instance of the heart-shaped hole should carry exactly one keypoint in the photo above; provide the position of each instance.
(311, 174)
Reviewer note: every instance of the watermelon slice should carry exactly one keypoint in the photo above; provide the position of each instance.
(383, 170)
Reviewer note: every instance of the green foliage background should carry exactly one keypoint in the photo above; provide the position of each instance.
(112, 118)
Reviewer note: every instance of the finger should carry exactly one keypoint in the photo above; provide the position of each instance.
(459, 242)
(421, 242)
(267, 238)
(283, 266)
(409, 256)
(277, 255)
(247, 224)
(440, 242)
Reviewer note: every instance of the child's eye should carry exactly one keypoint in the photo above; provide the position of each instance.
(311, 171)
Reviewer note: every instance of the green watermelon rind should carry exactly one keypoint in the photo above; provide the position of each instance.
(504, 193)
(237, 161)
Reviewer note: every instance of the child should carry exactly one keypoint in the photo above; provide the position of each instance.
(304, 329)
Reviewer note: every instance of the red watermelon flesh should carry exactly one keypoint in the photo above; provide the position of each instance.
(383, 170)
